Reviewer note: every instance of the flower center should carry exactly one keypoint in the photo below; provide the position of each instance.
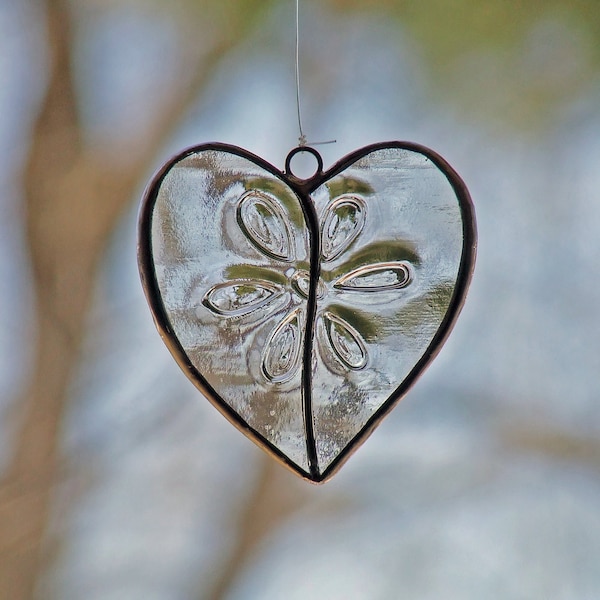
(301, 283)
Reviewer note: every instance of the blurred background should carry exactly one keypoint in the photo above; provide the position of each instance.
(119, 481)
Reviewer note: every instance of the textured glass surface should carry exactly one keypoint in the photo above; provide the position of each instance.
(231, 248)
(388, 288)
(227, 239)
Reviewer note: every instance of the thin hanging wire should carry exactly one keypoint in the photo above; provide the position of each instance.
(302, 138)
(302, 141)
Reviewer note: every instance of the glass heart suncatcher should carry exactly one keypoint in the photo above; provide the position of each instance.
(304, 309)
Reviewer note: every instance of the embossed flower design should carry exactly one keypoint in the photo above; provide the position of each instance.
(265, 224)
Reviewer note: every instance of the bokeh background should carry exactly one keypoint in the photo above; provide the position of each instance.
(119, 481)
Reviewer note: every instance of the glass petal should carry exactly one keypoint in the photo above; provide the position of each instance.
(342, 222)
(265, 224)
(346, 342)
(283, 350)
(240, 297)
(376, 278)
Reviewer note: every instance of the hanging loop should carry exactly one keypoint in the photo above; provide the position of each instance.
(299, 149)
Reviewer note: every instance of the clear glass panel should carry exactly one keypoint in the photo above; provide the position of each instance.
(389, 268)
(228, 240)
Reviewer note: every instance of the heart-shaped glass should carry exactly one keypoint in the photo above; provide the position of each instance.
(304, 309)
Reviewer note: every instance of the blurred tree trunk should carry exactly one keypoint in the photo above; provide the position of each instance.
(276, 495)
(73, 201)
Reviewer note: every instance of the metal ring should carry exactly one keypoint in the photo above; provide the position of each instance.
(297, 150)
